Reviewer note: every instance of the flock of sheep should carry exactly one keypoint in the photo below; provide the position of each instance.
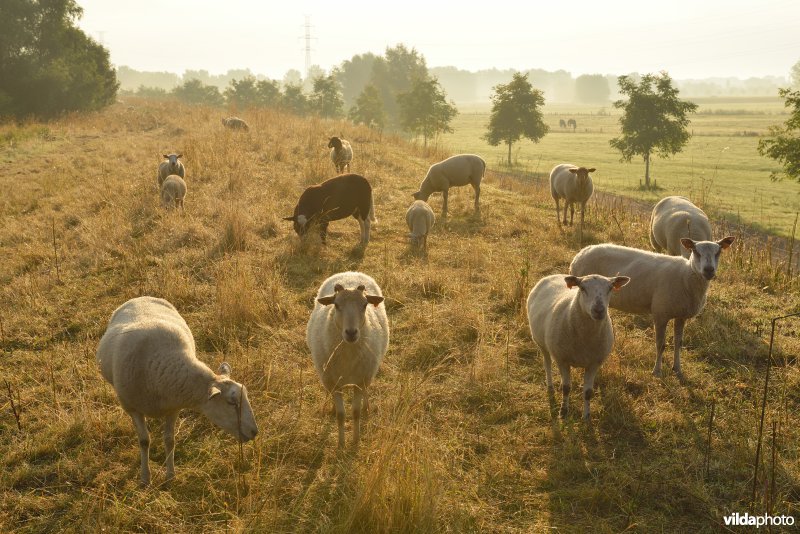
(148, 353)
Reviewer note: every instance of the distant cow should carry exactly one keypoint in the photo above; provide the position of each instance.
(572, 124)
(562, 123)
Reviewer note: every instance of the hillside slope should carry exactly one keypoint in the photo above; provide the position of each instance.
(462, 435)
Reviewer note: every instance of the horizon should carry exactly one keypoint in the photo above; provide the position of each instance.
(735, 39)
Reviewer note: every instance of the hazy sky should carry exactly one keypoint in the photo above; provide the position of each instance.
(688, 38)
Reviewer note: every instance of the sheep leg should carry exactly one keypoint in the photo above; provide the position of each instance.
(558, 211)
(323, 232)
(169, 443)
(677, 340)
(365, 403)
(339, 403)
(566, 383)
(571, 214)
(661, 330)
(444, 204)
(477, 188)
(548, 371)
(365, 234)
(357, 398)
(588, 388)
(144, 444)
(566, 208)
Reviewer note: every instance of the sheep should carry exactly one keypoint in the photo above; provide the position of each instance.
(171, 166)
(173, 191)
(573, 184)
(348, 339)
(667, 287)
(572, 124)
(148, 355)
(334, 199)
(676, 217)
(235, 123)
(341, 153)
(573, 327)
(562, 123)
(458, 170)
(420, 219)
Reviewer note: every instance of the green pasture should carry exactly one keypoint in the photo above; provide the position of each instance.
(720, 168)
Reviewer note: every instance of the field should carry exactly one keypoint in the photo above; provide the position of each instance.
(720, 168)
(462, 434)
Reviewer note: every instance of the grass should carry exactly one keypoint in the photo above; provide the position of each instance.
(462, 435)
(720, 168)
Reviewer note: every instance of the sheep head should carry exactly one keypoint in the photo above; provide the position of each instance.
(350, 309)
(594, 291)
(228, 406)
(705, 255)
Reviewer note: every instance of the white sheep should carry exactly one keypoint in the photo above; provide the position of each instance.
(462, 169)
(420, 219)
(148, 354)
(573, 327)
(171, 166)
(235, 123)
(574, 185)
(173, 192)
(667, 287)
(348, 338)
(674, 218)
(341, 153)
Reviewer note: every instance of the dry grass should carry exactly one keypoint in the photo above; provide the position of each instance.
(462, 435)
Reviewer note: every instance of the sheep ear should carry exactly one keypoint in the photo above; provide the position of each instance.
(573, 171)
(618, 282)
(726, 242)
(374, 299)
(327, 301)
(213, 392)
(362, 287)
(179, 156)
(588, 170)
(224, 369)
(165, 156)
(292, 218)
(572, 281)
(337, 288)
(687, 243)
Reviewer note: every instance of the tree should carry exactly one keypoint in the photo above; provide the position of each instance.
(592, 89)
(48, 66)
(794, 75)
(369, 109)
(654, 119)
(354, 75)
(784, 143)
(327, 97)
(516, 113)
(293, 100)
(424, 109)
(250, 93)
(395, 75)
(195, 92)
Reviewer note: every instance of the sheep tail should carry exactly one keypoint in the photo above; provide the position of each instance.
(372, 207)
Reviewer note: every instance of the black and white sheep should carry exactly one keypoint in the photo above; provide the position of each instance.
(341, 153)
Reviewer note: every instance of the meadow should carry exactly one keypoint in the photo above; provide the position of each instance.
(719, 169)
(462, 435)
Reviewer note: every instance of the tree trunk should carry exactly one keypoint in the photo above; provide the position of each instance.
(647, 170)
(509, 153)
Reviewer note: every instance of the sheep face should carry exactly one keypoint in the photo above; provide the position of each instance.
(582, 173)
(705, 255)
(300, 223)
(594, 291)
(419, 195)
(335, 142)
(173, 162)
(229, 408)
(350, 309)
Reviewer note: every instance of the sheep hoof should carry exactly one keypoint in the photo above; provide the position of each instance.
(657, 373)
(563, 412)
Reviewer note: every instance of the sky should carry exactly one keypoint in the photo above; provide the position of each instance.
(687, 38)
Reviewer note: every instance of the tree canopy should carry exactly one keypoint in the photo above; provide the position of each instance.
(368, 109)
(783, 145)
(654, 119)
(196, 92)
(424, 110)
(327, 97)
(516, 113)
(48, 66)
(592, 89)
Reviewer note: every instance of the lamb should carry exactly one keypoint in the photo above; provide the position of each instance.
(148, 355)
(573, 327)
(341, 153)
(667, 287)
(235, 123)
(573, 184)
(676, 217)
(171, 166)
(173, 191)
(458, 170)
(334, 199)
(420, 219)
(348, 339)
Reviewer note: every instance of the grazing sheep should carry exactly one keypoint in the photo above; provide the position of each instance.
(562, 123)
(148, 355)
(572, 124)
(667, 287)
(573, 327)
(348, 339)
(420, 219)
(341, 153)
(458, 170)
(573, 184)
(235, 123)
(674, 218)
(173, 191)
(334, 199)
(171, 166)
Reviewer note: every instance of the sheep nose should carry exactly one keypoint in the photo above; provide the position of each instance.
(351, 334)
(598, 311)
(253, 433)
(708, 272)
